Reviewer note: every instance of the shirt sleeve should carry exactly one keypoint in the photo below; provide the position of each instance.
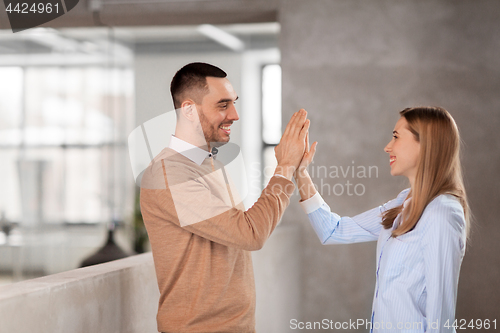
(443, 247)
(333, 229)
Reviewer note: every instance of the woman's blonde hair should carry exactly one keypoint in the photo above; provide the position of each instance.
(439, 170)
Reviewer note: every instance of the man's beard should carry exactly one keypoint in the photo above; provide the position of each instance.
(211, 134)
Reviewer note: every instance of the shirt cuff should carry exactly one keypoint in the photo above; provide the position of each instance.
(312, 204)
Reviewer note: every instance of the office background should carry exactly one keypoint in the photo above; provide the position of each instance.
(353, 65)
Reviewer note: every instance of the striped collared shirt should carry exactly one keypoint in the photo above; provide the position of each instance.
(417, 273)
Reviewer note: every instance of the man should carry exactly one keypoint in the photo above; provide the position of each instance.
(199, 232)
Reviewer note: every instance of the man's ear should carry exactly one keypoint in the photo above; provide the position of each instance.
(188, 110)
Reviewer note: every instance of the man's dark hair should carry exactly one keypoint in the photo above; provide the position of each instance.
(193, 76)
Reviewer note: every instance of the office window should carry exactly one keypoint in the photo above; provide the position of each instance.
(271, 117)
(62, 142)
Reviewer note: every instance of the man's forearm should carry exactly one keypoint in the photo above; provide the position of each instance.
(250, 229)
(285, 170)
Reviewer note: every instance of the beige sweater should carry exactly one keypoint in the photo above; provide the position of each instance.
(201, 238)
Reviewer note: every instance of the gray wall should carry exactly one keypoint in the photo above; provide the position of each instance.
(353, 65)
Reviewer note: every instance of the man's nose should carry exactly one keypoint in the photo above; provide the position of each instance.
(233, 114)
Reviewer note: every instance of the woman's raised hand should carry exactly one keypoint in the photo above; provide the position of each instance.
(308, 156)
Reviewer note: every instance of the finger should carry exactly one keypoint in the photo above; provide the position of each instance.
(304, 130)
(295, 131)
(291, 124)
(307, 142)
(313, 149)
(294, 123)
(306, 160)
(287, 128)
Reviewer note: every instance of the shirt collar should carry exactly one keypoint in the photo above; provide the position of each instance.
(195, 154)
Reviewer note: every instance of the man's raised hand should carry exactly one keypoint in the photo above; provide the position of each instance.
(290, 151)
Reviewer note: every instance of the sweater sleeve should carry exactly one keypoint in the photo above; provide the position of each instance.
(205, 207)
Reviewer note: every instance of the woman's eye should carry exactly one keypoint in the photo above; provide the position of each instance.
(395, 137)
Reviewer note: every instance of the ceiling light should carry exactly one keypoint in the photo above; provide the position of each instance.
(222, 37)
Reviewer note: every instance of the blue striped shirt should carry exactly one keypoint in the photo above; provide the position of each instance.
(417, 273)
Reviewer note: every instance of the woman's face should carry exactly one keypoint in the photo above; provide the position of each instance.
(403, 151)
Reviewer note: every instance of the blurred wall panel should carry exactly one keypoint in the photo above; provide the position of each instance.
(353, 65)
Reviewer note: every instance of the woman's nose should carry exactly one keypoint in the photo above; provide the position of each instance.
(387, 148)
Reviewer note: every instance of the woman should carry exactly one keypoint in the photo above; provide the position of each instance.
(421, 234)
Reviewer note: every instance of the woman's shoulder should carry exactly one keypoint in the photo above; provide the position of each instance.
(403, 194)
(445, 202)
(444, 211)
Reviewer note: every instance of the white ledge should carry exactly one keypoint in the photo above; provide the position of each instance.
(119, 296)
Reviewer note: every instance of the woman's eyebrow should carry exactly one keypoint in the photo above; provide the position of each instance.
(395, 132)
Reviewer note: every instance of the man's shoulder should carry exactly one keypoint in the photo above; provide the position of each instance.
(171, 166)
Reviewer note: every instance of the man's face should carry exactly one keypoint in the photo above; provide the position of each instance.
(217, 111)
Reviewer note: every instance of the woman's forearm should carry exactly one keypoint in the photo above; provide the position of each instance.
(305, 184)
